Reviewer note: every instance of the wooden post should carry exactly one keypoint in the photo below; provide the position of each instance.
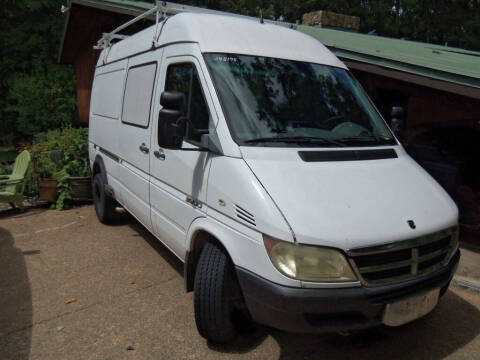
(85, 69)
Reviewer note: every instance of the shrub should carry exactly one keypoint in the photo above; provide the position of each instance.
(43, 100)
(61, 154)
(5, 168)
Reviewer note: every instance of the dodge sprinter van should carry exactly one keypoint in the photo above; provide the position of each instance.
(253, 154)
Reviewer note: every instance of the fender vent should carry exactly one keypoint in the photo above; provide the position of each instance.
(245, 215)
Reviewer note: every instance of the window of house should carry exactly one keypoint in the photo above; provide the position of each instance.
(138, 94)
(184, 78)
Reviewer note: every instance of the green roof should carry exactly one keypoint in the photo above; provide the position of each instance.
(443, 63)
(434, 61)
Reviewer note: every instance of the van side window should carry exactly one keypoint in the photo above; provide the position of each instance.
(138, 94)
(184, 78)
(107, 94)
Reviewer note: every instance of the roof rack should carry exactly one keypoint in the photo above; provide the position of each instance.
(160, 14)
(161, 9)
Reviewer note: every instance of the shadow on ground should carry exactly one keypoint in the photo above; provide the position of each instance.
(451, 326)
(166, 254)
(17, 213)
(15, 300)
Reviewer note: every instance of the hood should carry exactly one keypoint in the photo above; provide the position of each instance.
(349, 204)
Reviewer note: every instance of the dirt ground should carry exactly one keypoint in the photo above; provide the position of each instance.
(72, 288)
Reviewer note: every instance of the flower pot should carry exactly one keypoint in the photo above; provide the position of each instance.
(81, 188)
(48, 190)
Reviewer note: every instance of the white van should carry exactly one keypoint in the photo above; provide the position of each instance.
(253, 154)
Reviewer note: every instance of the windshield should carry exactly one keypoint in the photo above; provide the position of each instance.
(276, 102)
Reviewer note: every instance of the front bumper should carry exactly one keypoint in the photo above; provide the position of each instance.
(304, 310)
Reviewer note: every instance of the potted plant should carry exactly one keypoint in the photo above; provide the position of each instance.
(81, 188)
(74, 183)
(60, 165)
(79, 167)
(45, 169)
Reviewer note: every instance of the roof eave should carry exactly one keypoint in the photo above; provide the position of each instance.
(458, 79)
(422, 80)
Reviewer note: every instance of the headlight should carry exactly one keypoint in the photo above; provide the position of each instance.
(308, 263)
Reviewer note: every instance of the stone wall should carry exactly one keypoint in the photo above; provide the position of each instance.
(331, 19)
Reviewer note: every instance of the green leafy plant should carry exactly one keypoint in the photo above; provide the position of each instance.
(61, 154)
(36, 94)
(6, 169)
(44, 165)
(7, 158)
(43, 100)
(64, 191)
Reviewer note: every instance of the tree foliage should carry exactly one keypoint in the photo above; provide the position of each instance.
(36, 94)
(452, 22)
(42, 100)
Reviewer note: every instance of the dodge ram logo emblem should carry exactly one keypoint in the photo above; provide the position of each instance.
(411, 223)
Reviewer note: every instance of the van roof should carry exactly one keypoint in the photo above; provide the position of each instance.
(226, 34)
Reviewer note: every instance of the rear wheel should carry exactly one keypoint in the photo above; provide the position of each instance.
(104, 204)
(217, 295)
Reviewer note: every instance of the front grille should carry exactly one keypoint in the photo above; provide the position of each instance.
(403, 260)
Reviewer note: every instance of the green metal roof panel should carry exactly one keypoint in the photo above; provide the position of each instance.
(435, 61)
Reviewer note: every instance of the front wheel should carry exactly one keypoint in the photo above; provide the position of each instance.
(216, 293)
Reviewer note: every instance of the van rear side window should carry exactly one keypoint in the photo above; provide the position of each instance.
(138, 94)
(107, 94)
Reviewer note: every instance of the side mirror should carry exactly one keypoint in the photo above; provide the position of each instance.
(398, 112)
(171, 121)
(398, 121)
(172, 100)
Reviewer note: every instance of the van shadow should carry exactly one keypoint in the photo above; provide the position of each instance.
(15, 301)
(161, 249)
(123, 218)
(452, 325)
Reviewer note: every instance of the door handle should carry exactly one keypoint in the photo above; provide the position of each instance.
(143, 148)
(159, 155)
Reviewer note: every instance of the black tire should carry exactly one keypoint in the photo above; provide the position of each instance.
(444, 289)
(104, 204)
(216, 292)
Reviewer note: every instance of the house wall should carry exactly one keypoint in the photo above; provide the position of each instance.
(442, 132)
(85, 69)
(425, 107)
(85, 26)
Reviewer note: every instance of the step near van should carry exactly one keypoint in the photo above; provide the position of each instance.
(253, 154)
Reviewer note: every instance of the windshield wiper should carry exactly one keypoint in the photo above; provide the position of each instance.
(364, 139)
(296, 140)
